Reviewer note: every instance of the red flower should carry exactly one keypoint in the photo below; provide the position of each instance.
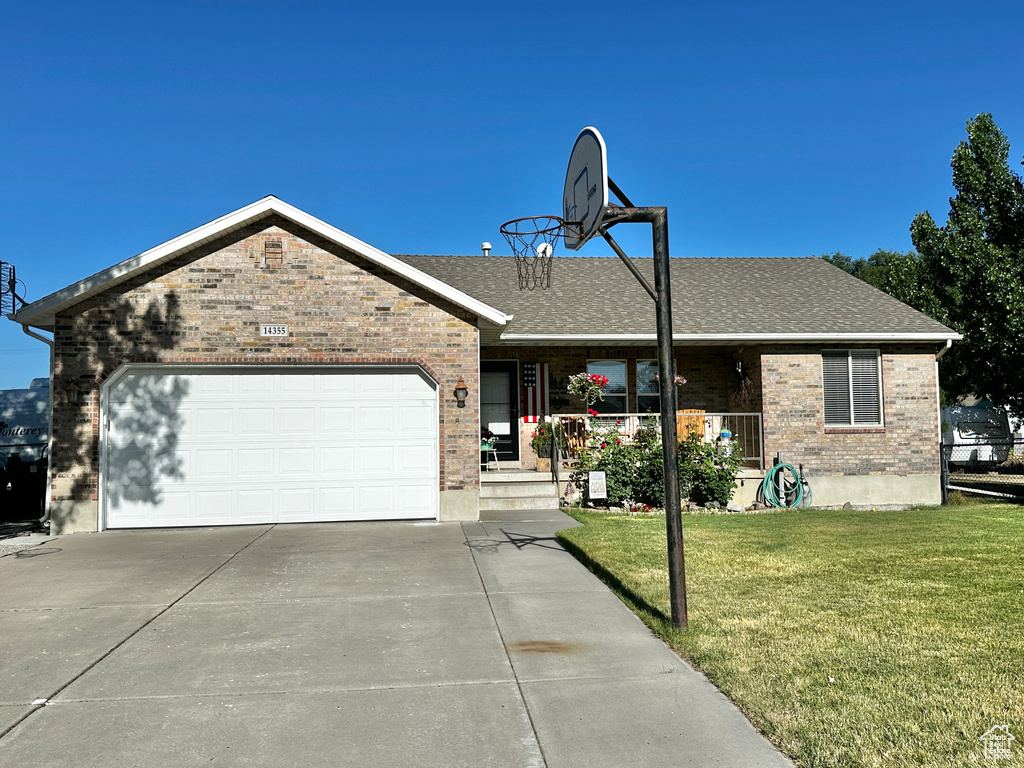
(618, 442)
(604, 445)
(592, 412)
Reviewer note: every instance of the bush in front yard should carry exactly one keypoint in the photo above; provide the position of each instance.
(709, 469)
(634, 467)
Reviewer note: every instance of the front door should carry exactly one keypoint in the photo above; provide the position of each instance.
(499, 405)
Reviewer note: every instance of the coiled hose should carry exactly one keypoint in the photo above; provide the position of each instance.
(795, 492)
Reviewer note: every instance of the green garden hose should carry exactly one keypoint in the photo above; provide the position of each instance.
(794, 492)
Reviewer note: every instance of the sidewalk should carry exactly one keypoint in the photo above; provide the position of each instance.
(365, 644)
(600, 689)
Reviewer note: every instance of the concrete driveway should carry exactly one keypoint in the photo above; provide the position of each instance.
(361, 644)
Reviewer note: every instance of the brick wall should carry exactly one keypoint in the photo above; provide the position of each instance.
(207, 308)
(794, 420)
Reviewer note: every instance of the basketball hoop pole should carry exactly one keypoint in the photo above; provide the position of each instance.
(657, 217)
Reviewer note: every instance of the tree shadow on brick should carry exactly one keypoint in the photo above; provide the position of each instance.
(142, 449)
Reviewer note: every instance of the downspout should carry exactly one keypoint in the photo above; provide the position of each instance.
(938, 414)
(45, 519)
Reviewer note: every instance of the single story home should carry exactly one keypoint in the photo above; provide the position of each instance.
(268, 367)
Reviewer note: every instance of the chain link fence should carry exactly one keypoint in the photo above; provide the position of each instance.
(992, 468)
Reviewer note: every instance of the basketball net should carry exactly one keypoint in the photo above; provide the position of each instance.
(532, 240)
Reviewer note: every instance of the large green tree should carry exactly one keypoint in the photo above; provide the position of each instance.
(896, 273)
(972, 270)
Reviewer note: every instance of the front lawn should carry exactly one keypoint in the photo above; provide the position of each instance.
(848, 638)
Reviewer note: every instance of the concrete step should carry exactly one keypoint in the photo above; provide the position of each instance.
(514, 476)
(523, 502)
(518, 489)
(508, 490)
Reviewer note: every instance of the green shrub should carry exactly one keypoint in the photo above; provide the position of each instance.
(649, 483)
(634, 467)
(708, 470)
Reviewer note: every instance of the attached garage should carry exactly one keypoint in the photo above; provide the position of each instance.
(209, 445)
(264, 367)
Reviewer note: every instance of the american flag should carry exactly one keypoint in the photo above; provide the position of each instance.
(535, 392)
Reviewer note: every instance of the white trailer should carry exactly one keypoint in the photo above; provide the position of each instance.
(979, 434)
(25, 421)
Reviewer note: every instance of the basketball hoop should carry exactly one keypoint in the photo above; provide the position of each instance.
(532, 239)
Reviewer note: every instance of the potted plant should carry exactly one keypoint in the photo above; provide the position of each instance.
(541, 441)
(541, 444)
(487, 439)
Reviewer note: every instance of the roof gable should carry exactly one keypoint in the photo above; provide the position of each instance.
(41, 313)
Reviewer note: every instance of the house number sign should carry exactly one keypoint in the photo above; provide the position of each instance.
(273, 330)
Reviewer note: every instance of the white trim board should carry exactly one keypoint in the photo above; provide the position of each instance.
(700, 339)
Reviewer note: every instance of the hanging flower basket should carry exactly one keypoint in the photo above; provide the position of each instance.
(589, 387)
(678, 380)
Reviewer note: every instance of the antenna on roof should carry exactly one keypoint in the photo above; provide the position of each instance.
(9, 289)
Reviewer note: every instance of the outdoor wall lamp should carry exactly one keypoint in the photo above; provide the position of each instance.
(461, 391)
(71, 391)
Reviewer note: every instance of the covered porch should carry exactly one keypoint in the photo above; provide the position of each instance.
(522, 386)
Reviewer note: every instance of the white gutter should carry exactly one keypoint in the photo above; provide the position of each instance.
(724, 338)
(45, 519)
(945, 349)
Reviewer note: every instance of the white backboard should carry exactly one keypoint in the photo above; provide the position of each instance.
(586, 187)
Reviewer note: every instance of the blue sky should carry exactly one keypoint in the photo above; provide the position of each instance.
(767, 129)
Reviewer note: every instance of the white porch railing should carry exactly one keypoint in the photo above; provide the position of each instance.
(746, 429)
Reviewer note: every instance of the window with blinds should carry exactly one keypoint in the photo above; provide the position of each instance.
(852, 381)
(615, 400)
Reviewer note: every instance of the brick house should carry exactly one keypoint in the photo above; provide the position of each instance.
(268, 367)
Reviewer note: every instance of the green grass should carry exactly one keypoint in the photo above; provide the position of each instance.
(848, 638)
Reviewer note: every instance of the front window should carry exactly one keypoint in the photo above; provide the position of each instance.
(615, 393)
(852, 380)
(648, 396)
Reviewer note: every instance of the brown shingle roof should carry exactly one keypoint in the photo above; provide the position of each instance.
(717, 296)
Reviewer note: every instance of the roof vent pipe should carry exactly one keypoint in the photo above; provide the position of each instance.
(486, 248)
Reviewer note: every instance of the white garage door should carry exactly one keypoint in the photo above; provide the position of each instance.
(241, 446)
